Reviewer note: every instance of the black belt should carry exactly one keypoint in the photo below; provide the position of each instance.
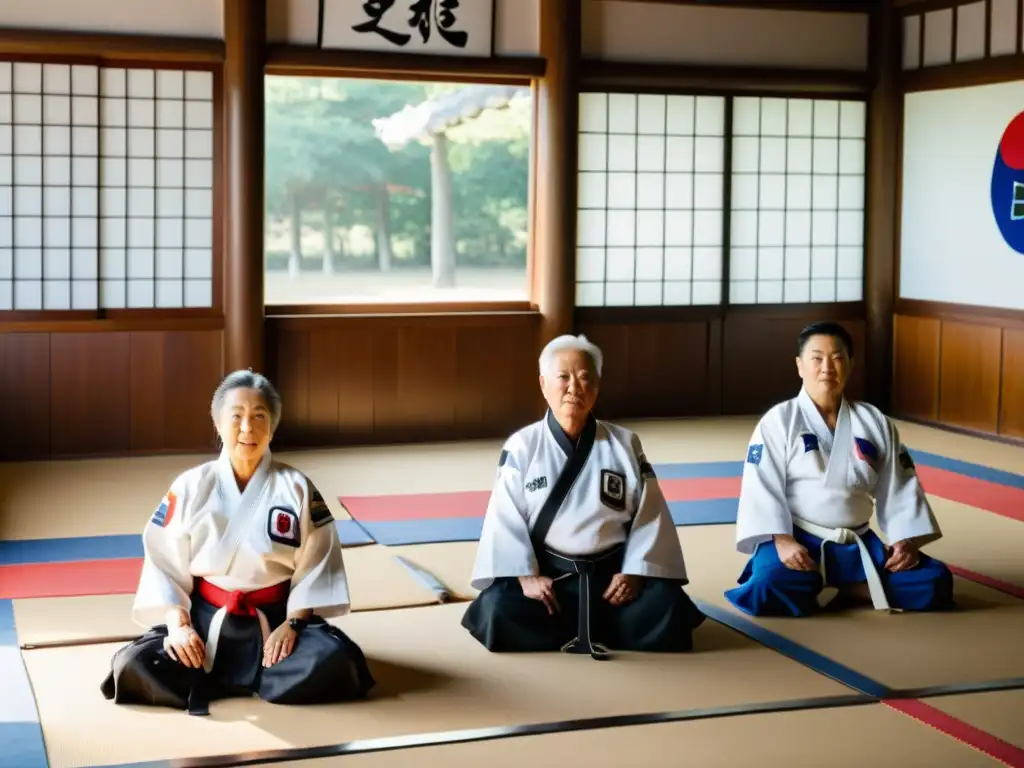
(585, 567)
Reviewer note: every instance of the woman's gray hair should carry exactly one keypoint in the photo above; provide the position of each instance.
(578, 343)
(248, 380)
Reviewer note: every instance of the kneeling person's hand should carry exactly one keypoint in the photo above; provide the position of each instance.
(903, 556)
(793, 554)
(279, 645)
(540, 588)
(184, 645)
(623, 589)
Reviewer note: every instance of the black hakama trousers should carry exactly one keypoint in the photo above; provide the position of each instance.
(325, 665)
(660, 619)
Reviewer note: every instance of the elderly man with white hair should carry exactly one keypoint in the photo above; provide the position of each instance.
(578, 550)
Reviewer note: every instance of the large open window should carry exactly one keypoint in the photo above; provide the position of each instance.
(392, 192)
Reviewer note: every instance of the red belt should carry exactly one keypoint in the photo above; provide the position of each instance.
(242, 603)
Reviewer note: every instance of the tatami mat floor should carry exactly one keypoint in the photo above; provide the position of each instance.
(943, 690)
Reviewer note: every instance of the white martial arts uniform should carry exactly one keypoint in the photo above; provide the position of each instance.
(610, 517)
(232, 559)
(278, 529)
(799, 476)
(615, 498)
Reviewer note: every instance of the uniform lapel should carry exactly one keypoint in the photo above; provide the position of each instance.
(239, 505)
(835, 446)
(577, 454)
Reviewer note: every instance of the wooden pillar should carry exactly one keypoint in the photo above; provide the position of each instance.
(883, 161)
(245, 26)
(555, 140)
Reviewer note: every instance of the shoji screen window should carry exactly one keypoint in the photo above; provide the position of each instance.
(797, 219)
(106, 187)
(650, 220)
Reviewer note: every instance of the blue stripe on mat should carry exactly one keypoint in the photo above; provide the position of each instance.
(68, 550)
(434, 530)
(20, 732)
(812, 659)
(698, 470)
(977, 471)
(704, 511)
(394, 533)
(85, 548)
(352, 533)
(23, 746)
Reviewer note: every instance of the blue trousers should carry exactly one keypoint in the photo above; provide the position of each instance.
(769, 588)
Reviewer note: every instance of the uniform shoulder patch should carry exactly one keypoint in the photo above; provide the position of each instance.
(810, 442)
(754, 453)
(613, 489)
(319, 512)
(503, 458)
(283, 526)
(165, 512)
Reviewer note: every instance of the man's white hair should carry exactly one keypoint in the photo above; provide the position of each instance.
(579, 343)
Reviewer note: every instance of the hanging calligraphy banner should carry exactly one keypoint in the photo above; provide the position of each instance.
(440, 27)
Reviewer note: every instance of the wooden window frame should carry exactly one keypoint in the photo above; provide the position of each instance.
(310, 61)
(729, 83)
(146, 51)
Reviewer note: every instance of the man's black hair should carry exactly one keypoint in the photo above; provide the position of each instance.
(834, 330)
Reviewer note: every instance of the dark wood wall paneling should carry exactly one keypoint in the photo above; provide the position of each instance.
(359, 380)
(960, 368)
(670, 363)
(116, 392)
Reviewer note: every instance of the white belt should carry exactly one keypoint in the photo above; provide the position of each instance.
(846, 536)
(214, 634)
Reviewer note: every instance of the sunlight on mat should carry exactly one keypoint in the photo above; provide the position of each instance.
(432, 676)
(977, 450)
(775, 739)
(1001, 713)
(376, 581)
(980, 642)
(689, 440)
(103, 497)
(979, 541)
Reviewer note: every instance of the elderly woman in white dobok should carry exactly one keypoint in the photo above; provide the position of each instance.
(242, 567)
(578, 550)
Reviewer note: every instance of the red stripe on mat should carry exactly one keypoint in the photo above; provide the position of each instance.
(984, 742)
(997, 584)
(416, 506)
(424, 506)
(77, 579)
(1002, 499)
(701, 489)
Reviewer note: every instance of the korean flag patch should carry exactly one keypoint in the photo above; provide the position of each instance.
(163, 514)
(283, 526)
(613, 489)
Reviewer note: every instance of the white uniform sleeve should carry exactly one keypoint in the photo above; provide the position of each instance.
(505, 549)
(763, 507)
(166, 580)
(900, 503)
(319, 582)
(652, 547)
